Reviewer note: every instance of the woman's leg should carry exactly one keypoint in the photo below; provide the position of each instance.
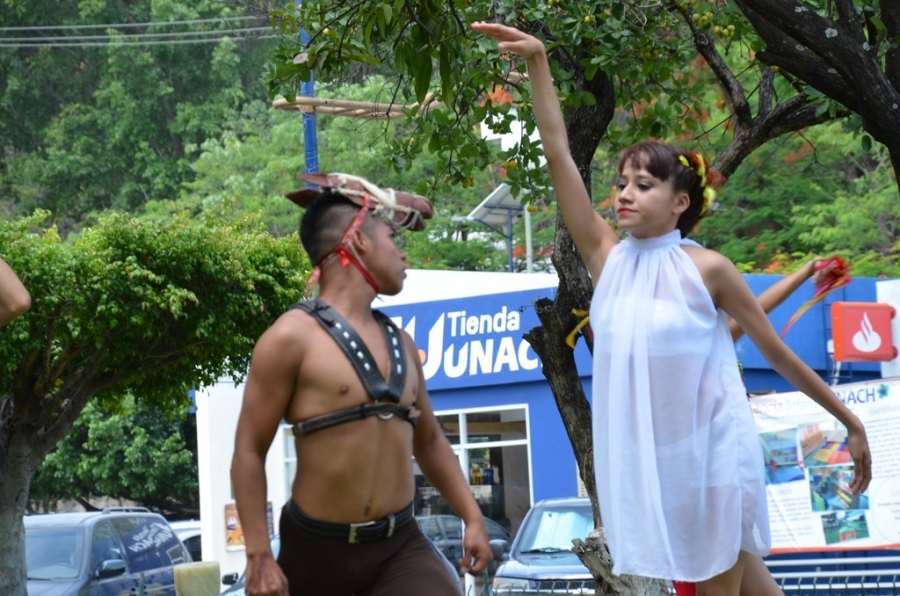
(727, 583)
(757, 580)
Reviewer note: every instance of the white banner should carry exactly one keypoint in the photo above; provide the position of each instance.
(808, 468)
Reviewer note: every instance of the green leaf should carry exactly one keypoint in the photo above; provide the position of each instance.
(447, 78)
(423, 77)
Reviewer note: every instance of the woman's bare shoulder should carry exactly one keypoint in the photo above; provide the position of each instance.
(707, 260)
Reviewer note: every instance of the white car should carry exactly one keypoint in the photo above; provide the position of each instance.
(189, 534)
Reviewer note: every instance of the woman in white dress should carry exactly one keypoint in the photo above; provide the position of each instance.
(679, 468)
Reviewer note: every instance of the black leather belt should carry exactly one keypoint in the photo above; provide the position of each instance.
(369, 531)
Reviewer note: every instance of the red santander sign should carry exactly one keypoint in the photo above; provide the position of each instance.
(862, 331)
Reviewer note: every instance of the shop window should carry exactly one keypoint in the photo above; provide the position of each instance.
(492, 446)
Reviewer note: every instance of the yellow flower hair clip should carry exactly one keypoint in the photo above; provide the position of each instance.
(709, 193)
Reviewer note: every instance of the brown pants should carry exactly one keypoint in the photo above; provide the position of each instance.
(406, 564)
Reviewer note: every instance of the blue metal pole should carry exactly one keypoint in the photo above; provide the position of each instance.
(310, 141)
(509, 237)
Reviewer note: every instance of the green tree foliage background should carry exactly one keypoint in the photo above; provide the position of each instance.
(129, 452)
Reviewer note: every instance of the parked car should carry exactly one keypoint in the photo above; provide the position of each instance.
(119, 550)
(237, 583)
(446, 532)
(188, 531)
(541, 558)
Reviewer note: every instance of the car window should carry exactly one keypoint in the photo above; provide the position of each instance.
(53, 554)
(149, 543)
(430, 527)
(495, 531)
(453, 528)
(105, 545)
(554, 529)
(193, 546)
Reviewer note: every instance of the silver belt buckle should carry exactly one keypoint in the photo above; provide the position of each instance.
(353, 527)
(391, 523)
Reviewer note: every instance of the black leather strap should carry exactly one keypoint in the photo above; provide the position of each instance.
(377, 529)
(358, 413)
(358, 354)
(366, 368)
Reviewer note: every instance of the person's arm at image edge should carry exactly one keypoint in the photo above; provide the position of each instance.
(441, 467)
(14, 298)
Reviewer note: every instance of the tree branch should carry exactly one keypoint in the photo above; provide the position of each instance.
(730, 85)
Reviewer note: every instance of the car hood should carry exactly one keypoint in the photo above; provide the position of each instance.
(544, 566)
(38, 587)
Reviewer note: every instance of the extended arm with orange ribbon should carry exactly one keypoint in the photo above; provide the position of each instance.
(836, 274)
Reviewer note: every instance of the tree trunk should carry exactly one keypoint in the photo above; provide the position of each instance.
(838, 55)
(13, 499)
(595, 555)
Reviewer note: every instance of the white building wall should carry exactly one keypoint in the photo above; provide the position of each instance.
(218, 408)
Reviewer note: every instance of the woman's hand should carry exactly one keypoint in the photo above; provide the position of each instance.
(511, 39)
(862, 459)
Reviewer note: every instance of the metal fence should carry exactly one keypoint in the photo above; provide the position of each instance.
(547, 587)
(846, 576)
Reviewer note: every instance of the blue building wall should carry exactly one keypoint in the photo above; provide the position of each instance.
(475, 357)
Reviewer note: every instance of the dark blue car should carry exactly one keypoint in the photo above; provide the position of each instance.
(541, 559)
(114, 551)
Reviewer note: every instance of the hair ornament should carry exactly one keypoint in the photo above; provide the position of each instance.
(700, 166)
(401, 209)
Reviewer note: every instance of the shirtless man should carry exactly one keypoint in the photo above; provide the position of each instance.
(14, 298)
(348, 528)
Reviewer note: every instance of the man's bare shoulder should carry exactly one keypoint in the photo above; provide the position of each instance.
(289, 334)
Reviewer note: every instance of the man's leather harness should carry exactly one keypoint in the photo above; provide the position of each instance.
(364, 364)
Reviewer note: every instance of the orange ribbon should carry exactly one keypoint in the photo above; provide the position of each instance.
(837, 277)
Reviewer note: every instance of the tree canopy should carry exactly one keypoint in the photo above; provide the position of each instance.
(147, 309)
(129, 452)
(101, 109)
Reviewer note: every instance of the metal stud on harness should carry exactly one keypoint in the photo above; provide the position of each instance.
(375, 385)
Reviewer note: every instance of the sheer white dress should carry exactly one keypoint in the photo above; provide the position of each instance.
(679, 466)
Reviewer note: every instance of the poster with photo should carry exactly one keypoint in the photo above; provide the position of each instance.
(234, 533)
(809, 468)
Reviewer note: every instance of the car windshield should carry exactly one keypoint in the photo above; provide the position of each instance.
(552, 530)
(54, 554)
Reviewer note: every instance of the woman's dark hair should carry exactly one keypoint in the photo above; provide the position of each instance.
(324, 222)
(663, 161)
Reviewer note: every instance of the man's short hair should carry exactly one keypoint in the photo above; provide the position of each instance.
(324, 223)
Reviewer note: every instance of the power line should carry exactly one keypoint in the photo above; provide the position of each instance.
(128, 25)
(128, 43)
(66, 38)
